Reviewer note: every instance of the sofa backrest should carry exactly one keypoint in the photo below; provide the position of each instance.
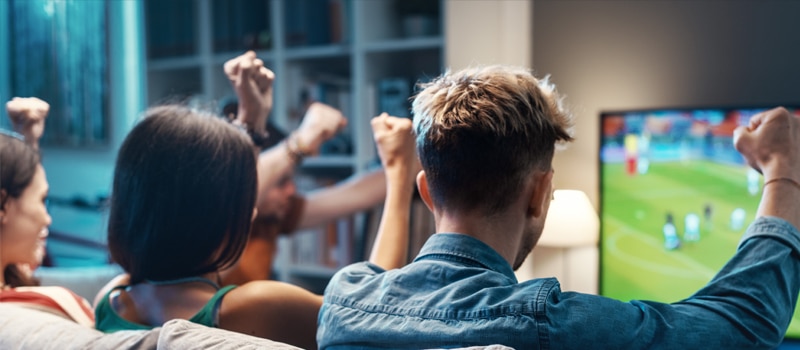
(182, 334)
(24, 328)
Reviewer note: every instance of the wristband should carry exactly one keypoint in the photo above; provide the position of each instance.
(259, 138)
(785, 179)
(294, 149)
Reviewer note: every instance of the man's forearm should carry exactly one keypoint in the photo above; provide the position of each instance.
(767, 261)
(272, 164)
(780, 199)
(355, 194)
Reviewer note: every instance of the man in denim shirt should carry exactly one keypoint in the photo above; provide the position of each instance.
(486, 138)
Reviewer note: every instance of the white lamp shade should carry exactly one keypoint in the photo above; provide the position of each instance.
(571, 221)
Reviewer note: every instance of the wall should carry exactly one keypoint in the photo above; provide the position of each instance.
(611, 55)
(88, 173)
(487, 32)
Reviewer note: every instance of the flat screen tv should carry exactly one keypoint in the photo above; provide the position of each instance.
(675, 199)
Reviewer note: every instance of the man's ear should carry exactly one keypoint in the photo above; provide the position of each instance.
(542, 192)
(422, 186)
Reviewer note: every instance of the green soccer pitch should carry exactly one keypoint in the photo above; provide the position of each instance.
(634, 262)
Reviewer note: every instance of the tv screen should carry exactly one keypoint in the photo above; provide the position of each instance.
(675, 199)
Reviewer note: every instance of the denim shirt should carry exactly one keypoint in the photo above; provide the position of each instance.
(459, 292)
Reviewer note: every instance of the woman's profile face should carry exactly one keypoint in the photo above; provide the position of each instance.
(24, 223)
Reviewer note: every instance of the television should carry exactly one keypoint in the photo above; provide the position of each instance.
(675, 200)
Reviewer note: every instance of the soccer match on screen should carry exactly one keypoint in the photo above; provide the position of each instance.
(675, 200)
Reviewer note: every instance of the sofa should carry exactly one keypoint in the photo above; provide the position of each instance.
(24, 328)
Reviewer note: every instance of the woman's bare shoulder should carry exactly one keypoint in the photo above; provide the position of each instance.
(272, 310)
(119, 280)
(271, 294)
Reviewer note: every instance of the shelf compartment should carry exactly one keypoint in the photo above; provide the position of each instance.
(329, 161)
(312, 271)
(317, 22)
(174, 63)
(222, 57)
(316, 52)
(240, 25)
(404, 44)
(173, 85)
(169, 35)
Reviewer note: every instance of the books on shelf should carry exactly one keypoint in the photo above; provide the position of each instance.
(316, 57)
(317, 22)
(241, 25)
(393, 94)
(331, 90)
(329, 246)
(169, 35)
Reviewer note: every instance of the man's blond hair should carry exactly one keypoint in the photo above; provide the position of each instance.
(481, 130)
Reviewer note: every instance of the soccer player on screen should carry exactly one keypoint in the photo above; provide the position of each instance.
(631, 153)
(737, 219)
(691, 231)
(708, 213)
(752, 181)
(643, 160)
(671, 240)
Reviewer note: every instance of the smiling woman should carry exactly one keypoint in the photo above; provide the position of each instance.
(24, 219)
(23, 216)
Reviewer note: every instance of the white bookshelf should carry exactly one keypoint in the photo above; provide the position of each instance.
(372, 46)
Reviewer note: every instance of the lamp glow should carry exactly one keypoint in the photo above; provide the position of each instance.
(571, 221)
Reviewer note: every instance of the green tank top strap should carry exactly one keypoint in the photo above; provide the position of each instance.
(209, 314)
(184, 280)
(107, 320)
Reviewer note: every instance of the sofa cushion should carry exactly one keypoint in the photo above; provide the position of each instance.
(24, 328)
(182, 334)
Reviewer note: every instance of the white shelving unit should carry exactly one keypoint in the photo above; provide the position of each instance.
(367, 42)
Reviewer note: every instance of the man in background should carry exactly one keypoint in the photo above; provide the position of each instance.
(281, 209)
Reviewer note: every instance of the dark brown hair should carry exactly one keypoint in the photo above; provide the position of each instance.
(183, 195)
(481, 131)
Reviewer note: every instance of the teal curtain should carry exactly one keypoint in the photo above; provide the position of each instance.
(59, 53)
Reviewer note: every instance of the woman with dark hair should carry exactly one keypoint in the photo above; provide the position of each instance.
(24, 220)
(181, 179)
(182, 202)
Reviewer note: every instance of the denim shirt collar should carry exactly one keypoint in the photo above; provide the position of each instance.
(467, 250)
